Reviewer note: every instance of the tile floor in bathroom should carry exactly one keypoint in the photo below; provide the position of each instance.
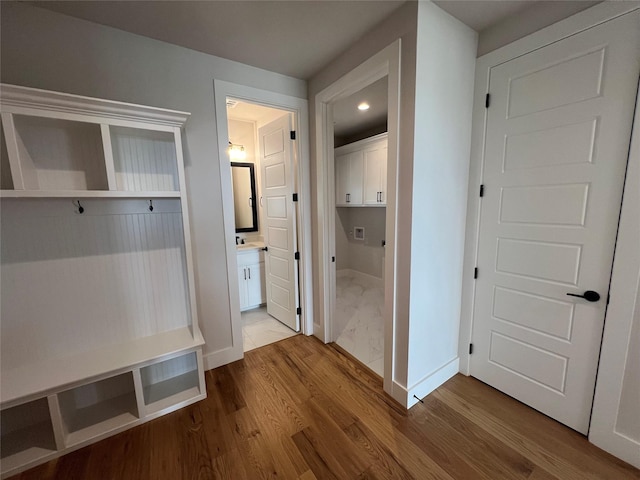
(359, 309)
(260, 329)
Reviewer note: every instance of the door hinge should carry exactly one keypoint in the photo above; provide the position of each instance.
(299, 311)
(295, 197)
(333, 259)
(482, 190)
(296, 255)
(475, 273)
(487, 100)
(292, 134)
(470, 348)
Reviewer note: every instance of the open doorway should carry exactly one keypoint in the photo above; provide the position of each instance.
(360, 159)
(383, 66)
(261, 154)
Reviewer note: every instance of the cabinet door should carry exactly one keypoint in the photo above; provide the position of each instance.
(242, 287)
(255, 284)
(354, 187)
(383, 174)
(342, 179)
(375, 159)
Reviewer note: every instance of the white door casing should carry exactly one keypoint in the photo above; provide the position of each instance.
(556, 147)
(281, 273)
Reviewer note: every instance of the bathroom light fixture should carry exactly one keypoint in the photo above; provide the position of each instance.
(236, 152)
(363, 106)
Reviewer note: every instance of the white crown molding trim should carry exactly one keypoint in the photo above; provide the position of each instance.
(18, 99)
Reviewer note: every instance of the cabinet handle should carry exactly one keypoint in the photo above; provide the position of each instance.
(249, 273)
(348, 198)
(245, 273)
(380, 197)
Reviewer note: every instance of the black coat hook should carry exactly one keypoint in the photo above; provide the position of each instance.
(151, 205)
(80, 207)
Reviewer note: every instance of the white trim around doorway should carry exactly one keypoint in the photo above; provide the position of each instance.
(384, 63)
(299, 107)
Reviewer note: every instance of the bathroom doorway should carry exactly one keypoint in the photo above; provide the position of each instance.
(261, 155)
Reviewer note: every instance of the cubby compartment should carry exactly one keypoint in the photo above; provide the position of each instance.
(26, 434)
(59, 154)
(98, 408)
(144, 160)
(170, 382)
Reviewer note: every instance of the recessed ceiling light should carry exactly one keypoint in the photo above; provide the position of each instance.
(363, 106)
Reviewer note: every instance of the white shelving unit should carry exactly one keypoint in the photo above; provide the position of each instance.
(99, 330)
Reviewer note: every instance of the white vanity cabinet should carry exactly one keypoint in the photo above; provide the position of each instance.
(361, 173)
(99, 330)
(251, 284)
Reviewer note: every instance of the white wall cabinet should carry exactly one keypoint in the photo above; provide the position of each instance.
(252, 286)
(361, 173)
(99, 330)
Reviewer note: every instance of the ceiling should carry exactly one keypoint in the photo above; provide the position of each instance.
(295, 38)
(348, 120)
(252, 112)
(482, 14)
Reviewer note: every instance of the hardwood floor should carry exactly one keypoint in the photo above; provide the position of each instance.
(298, 409)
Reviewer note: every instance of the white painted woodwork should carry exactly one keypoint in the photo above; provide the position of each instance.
(375, 174)
(144, 160)
(6, 181)
(361, 172)
(556, 148)
(349, 174)
(251, 279)
(99, 328)
(281, 271)
(615, 423)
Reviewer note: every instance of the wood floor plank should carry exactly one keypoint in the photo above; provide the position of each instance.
(299, 409)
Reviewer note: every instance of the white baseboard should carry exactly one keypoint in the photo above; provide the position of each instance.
(425, 386)
(222, 357)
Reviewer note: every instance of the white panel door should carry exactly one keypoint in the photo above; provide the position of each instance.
(557, 140)
(281, 273)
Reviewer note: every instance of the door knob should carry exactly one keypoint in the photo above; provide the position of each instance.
(265, 249)
(589, 296)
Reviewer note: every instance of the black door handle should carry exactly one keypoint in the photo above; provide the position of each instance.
(589, 296)
(265, 249)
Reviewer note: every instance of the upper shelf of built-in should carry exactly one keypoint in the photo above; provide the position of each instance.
(61, 145)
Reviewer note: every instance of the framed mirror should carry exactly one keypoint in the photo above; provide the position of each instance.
(244, 196)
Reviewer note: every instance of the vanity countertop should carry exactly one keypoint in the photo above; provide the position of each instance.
(250, 246)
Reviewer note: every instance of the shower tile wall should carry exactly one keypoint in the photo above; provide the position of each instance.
(359, 309)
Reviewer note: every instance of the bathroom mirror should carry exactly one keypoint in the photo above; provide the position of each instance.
(244, 196)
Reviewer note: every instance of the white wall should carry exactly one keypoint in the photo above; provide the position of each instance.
(47, 50)
(444, 98)
(364, 256)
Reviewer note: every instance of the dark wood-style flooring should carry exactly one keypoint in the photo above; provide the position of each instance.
(298, 409)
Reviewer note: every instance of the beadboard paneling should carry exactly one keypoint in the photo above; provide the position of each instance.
(144, 160)
(61, 155)
(72, 283)
(159, 372)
